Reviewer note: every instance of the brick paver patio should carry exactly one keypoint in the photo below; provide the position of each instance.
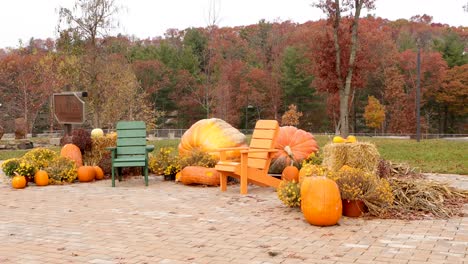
(172, 223)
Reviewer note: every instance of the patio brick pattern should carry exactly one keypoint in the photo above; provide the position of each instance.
(168, 222)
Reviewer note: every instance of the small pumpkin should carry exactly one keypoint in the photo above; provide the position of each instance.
(41, 178)
(290, 173)
(199, 175)
(72, 152)
(209, 135)
(86, 173)
(18, 182)
(99, 173)
(320, 201)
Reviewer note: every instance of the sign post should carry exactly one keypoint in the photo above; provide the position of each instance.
(69, 109)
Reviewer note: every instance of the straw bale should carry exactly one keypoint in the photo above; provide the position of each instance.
(361, 155)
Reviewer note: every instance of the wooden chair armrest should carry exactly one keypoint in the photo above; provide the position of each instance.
(259, 150)
(149, 148)
(112, 149)
(229, 149)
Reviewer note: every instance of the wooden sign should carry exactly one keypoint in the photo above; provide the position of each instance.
(69, 108)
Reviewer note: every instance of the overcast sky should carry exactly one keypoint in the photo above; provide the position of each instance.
(23, 19)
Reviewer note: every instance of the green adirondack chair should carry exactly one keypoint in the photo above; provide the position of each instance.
(131, 149)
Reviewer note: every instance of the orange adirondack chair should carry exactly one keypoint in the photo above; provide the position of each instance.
(255, 160)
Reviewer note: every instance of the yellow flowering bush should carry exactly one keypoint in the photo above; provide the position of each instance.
(25, 169)
(9, 166)
(356, 184)
(198, 158)
(289, 192)
(61, 170)
(315, 158)
(164, 162)
(39, 157)
(309, 170)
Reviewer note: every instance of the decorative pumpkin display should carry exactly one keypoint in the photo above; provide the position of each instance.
(41, 178)
(290, 173)
(18, 182)
(320, 201)
(338, 139)
(292, 143)
(72, 152)
(99, 173)
(208, 135)
(199, 175)
(351, 139)
(86, 173)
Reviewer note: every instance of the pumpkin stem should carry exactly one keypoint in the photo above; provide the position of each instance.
(288, 150)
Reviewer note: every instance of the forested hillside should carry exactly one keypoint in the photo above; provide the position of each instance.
(253, 71)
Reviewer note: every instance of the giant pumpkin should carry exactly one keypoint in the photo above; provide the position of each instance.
(320, 201)
(72, 152)
(292, 142)
(199, 175)
(208, 135)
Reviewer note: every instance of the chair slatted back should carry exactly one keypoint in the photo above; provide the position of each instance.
(131, 139)
(263, 137)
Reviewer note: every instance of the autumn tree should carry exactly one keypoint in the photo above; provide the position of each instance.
(90, 21)
(374, 113)
(453, 97)
(334, 9)
(291, 117)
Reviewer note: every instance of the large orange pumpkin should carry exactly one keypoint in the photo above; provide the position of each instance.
(41, 178)
(98, 172)
(292, 142)
(320, 201)
(290, 173)
(86, 173)
(199, 175)
(72, 152)
(209, 135)
(18, 182)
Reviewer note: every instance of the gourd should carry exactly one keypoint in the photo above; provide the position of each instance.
(290, 173)
(338, 139)
(320, 201)
(86, 173)
(293, 144)
(199, 175)
(351, 139)
(41, 178)
(18, 182)
(99, 173)
(72, 152)
(209, 135)
(97, 132)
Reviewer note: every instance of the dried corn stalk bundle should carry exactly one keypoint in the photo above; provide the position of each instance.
(420, 198)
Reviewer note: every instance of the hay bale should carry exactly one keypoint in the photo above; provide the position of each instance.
(361, 155)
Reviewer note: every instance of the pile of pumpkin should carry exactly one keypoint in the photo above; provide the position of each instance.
(208, 135)
(313, 187)
(44, 166)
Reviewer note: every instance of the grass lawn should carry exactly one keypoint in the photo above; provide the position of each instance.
(431, 155)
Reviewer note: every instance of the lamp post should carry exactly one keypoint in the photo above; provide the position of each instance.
(246, 116)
